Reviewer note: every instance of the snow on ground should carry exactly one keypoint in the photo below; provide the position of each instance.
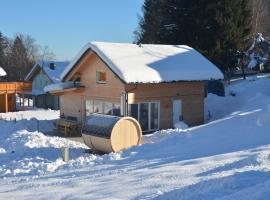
(226, 158)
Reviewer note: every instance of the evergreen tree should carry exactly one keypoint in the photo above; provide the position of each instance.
(18, 55)
(151, 21)
(19, 66)
(218, 29)
(2, 47)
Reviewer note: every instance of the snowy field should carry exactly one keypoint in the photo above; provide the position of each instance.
(227, 158)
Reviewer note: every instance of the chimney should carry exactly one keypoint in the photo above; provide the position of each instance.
(52, 66)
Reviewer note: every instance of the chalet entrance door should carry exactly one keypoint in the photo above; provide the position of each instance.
(177, 111)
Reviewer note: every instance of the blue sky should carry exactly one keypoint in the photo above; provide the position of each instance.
(67, 25)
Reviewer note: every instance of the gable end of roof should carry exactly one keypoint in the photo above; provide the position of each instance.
(150, 63)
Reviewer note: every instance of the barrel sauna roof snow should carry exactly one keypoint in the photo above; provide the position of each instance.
(105, 133)
(148, 63)
(100, 125)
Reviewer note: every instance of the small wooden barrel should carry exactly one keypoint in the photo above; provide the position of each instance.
(105, 133)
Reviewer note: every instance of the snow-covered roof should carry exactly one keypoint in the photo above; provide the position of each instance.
(36, 92)
(2, 72)
(61, 86)
(148, 63)
(53, 74)
(100, 125)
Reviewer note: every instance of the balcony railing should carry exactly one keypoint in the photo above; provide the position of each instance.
(15, 87)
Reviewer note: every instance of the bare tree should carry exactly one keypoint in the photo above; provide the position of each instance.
(261, 17)
(8, 57)
(45, 54)
(18, 55)
(31, 47)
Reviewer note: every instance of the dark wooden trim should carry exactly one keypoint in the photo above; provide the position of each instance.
(76, 63)
(79, 60)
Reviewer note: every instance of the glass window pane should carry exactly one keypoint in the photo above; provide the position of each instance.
(143, 119)
(101, 77)
(88, 107)
(133, 110)
(108, 108)
(154, 115)
(97, 107)
(116, 109)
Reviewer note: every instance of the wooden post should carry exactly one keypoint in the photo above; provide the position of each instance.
(20, 100)
(65, 154)
(45, 102)
(23, 102)
(6, 102)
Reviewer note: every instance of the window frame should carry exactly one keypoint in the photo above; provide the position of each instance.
(98, 72)
(149, 114)
(114, 105)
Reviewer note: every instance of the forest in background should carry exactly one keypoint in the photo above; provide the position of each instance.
(221, 30)
(18, 55)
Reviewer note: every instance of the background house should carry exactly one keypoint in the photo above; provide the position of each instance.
(8, 91)
(159, 85)
(42, 74)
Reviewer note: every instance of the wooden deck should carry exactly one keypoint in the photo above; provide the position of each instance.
(15, 87)
(8, 91)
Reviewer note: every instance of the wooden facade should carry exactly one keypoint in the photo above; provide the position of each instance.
(190, 93)
(8, 91)
(73, 102)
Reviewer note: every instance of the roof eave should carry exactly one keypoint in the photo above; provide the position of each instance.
(82, 56)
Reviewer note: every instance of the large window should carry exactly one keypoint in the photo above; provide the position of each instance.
(154, 115)
(102, 107)
(147, 114)
(133, 110)
(144, 116)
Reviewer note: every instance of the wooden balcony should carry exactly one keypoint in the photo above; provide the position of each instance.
(15, 87)
(8, 91)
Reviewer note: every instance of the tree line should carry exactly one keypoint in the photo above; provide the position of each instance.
(18, 55)
(219, 29)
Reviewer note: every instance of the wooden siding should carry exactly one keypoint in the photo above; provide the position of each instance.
(8, 92)
(191, 94)
(13, 87)
(11, 102)
(73, 103)
(70, 105)
(126, 132)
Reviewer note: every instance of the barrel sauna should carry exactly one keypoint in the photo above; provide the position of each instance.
(106, 133)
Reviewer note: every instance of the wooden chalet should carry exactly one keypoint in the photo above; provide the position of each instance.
(159, 85)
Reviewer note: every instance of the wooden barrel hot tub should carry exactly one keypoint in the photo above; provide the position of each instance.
(105, 133)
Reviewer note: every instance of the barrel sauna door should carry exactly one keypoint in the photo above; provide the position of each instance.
(177, 111)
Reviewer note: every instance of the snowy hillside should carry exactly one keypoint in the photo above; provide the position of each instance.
(227, 158)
